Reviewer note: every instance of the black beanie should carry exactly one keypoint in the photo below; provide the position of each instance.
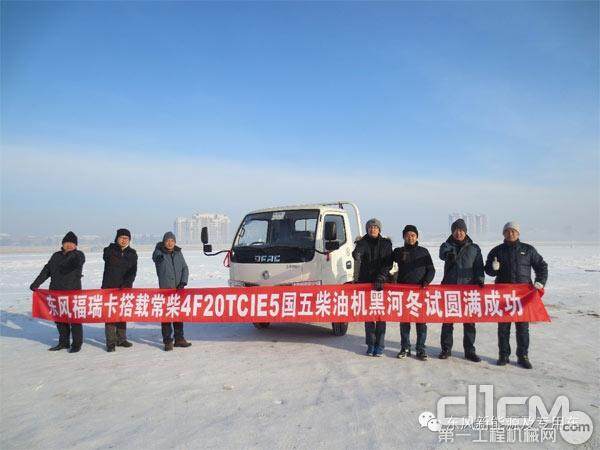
(122, 232)
(408, 228)
(460, 224)
(70, 237)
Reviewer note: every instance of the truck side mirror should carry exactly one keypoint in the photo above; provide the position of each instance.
(207, 248)
(330, 231)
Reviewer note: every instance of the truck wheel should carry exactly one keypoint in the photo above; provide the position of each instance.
(261, 325)
(339, 328)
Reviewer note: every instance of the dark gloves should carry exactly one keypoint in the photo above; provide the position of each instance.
(181, 285)
(450, 257)
(378, 284)
(424, 284)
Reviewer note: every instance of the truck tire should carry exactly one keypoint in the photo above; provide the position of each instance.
(261, 325)
(339, 328)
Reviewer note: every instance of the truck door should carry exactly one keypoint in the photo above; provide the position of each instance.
(340, 261)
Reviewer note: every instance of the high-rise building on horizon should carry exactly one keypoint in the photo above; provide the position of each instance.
(188, 229)
(477, 223)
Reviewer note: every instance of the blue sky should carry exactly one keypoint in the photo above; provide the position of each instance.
(129, 114)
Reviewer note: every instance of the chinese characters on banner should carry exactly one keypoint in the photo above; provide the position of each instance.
(330, 303)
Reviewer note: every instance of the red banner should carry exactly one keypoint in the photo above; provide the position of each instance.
(330, 303)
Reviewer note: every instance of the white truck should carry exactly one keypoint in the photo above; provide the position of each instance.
(294, 245)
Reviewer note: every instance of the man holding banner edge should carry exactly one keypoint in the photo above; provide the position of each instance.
(512, 262)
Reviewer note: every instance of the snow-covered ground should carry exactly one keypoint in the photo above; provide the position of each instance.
(290, 386)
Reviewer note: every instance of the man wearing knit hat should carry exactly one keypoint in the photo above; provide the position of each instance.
(65, 271)
(463, 264)
(414, 267)
(512, 262)
(172, 272)
(372, 263)
(120, 268)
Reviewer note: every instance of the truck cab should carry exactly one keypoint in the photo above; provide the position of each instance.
(295, 245)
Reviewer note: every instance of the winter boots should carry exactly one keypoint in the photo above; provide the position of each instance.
(58, 347)
(182, 343)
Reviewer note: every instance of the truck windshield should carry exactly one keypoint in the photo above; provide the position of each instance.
(276, 237)
(294, 228)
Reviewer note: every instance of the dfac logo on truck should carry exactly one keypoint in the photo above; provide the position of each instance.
(267, 258)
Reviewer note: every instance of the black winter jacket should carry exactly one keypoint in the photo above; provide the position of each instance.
(372, 259)
(64, 271)
(414, 265)
(466, 267)
(120, 267)
(516, 261)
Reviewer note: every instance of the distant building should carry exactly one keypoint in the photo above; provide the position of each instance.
(477, 224)
(188, 229)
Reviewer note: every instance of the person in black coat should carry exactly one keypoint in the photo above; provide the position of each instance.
(372, 263)
(512, 262)
(65, 271)
(414, 267)
(120, 268)
(463, 264)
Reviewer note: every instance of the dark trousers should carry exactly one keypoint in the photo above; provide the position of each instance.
(116, 332)
(522, 332)
(66, 330)
(375, 333)
(167, 330)
(468, 337)
(405, 336)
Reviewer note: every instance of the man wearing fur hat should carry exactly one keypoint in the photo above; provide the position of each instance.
(372, 263)
(414, 267)
(512, 262)
(120, 268)
(463, 264)
(64, 270)
(172, 272)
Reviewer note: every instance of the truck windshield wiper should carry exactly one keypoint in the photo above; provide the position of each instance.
(303, 248)
(271, 247)
(250, 247)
